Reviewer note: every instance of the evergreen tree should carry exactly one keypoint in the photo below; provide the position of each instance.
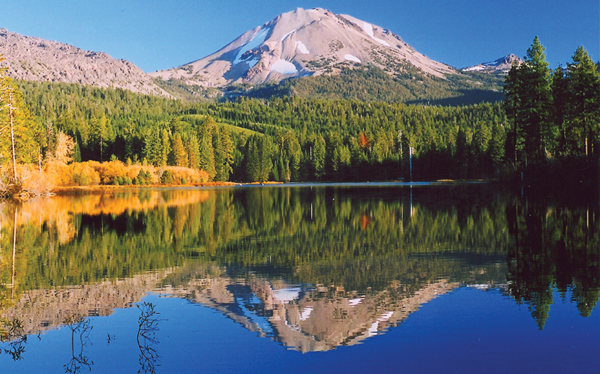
(207, 157)
(560, 103)
(318, 157)
(152, 146)
(496, 147)
(584, 100)
(165, 148)
(179, 154)
(101, 134)
(228, 148)
(528, 98)
(258, 158)
(193, 153)
(207, 151)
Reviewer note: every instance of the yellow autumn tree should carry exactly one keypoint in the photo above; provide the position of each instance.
(21, 137)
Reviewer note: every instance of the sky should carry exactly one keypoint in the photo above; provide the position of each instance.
(161, 34)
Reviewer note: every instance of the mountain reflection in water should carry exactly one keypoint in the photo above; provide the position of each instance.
(313, 268)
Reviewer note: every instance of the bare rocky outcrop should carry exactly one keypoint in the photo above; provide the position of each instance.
(36, 59)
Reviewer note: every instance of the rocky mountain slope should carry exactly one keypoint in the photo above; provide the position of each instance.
(500, 66)
(36, 59)
(305, 43)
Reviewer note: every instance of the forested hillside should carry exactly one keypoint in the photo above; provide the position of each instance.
(287, 138)
(363, 84)
(548, 123)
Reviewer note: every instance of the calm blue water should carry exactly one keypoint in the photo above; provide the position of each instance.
(467, 330)
(319, 280)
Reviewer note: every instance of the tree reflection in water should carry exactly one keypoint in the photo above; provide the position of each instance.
(13, 332)
(80, 338)
(146, 337)
(356, 238)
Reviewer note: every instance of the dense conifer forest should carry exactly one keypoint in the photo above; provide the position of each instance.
(549, 119)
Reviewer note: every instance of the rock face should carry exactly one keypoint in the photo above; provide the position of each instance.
(501, 65)
(303, 43)
(36, 59)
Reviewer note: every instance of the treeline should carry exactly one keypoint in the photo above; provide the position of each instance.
(351, 140)
(373, 84)
(554, 114)
(285, 139)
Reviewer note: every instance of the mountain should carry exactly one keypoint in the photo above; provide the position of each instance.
(36, 59)
(304, 43)
(500, 66)
(318, 54)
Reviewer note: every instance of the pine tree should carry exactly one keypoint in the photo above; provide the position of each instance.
(560, 103)
(528, 98)
(318, 157)
(584, 100)
(179, 154)
(207, 157)
(258, 158)
(152, 146)
(193, 154)
(165, 148)
(101, 134)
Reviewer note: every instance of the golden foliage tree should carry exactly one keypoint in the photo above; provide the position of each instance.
(179, 153)
(21, 137)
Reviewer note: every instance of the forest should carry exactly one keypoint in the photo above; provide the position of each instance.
(548, 124)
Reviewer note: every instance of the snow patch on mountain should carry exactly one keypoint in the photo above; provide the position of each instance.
(350, 57)
(475, 68)
(256, 41)
(302, 48)
(284, 67)
(288, 34)
(368, 29)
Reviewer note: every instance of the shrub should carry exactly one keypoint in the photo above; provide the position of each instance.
(85, 175)
(166, 177)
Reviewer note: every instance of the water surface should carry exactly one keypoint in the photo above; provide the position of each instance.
(337, 278)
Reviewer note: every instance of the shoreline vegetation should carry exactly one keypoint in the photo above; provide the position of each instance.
(545, 134)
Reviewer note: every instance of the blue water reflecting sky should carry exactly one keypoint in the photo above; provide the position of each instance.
(466, 330)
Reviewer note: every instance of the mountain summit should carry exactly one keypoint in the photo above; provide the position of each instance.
(501, 65)
(304, 43)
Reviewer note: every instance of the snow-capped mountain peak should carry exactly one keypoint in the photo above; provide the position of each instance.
(300, 43)
(501, 65)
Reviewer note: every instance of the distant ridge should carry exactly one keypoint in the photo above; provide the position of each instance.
(501, 65)
(36, 59)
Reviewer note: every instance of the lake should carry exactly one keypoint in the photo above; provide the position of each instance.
(381, 278)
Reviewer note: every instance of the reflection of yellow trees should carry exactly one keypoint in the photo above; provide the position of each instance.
(59, 211)
(41, 251)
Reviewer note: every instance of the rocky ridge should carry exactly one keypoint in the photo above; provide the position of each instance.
(501, 65)
(35, 59)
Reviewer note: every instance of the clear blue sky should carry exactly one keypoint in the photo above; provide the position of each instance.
(160, 34)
